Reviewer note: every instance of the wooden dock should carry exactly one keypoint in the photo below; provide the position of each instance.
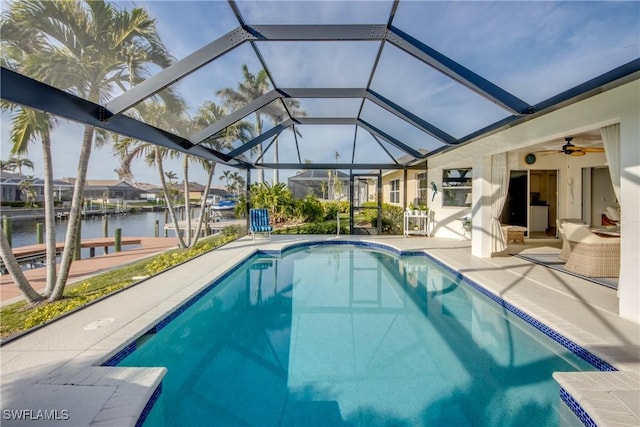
(90, 213)
(32, 254)
(83, 268)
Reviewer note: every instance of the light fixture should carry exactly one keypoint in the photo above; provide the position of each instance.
(467, 201)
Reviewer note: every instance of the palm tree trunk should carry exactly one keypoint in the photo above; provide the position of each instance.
(187, 205)
(260, 170)
(276, 176)
(259, 147)
(167, 198)
(74, 215)
(203, 203)
(15, 271)
(49, 214)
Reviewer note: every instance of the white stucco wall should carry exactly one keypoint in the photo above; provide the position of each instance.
(618, 105)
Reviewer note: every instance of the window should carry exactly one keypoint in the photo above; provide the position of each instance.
(422, 189)
(394, 197)
(456, 187)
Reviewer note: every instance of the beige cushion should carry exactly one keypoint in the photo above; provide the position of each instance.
(576, 232)
(612, 213)
(566, 247)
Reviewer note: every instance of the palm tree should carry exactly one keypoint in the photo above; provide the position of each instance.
(127, 149)
(26, 188)
(19, 162)
(238, 183)
(30, 295)
(323, 189)
(88, 48)
(173, 184)
(276, 115)
(253, 86)
(227, 176)
(275, 197)
(337, 184)
(210, 112)
(29, 125)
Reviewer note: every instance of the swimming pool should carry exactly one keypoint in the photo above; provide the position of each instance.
(345, 335)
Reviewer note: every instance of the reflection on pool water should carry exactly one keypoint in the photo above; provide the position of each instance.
(347, 336)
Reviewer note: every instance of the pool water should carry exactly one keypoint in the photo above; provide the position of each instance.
(348, 336)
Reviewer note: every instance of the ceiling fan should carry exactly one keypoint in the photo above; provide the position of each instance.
(573, 150)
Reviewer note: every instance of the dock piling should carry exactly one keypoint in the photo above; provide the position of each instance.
(118, 239)
(39, 233)
(105, 231)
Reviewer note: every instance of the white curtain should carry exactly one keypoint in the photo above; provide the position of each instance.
(611, 140)
(499, 187)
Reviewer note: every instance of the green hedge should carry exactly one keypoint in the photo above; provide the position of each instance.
(392, 217)
(313, 228)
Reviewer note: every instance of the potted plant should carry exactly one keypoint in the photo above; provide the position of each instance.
(423, 209)
(412, 209)
(466, 223)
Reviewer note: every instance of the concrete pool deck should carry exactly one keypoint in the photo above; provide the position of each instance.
(57, 367)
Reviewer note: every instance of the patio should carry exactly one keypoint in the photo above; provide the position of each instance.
(65, 355)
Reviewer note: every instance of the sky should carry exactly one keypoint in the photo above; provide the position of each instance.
(534, 50)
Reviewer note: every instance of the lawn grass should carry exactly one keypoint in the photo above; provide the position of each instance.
(20, 317)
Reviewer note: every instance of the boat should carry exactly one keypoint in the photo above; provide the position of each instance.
(224, 205)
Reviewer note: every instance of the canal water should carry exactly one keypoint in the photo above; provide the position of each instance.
(23, 232)
(132, 225)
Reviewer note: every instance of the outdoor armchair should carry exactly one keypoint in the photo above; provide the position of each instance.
(591, 255)
(259, 222)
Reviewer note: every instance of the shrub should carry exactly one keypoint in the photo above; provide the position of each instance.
(309, 209)
(234, 231)
(169, 259)
(12, 204)
(313, 228)
(331, 210)
(392, 217)
(277, 198)
(370, 215)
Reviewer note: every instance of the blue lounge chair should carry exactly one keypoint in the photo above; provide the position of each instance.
(259, 222)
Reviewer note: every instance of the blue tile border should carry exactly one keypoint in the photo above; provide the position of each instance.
(576, 408)
(149, 406)
(581, 352)
(120, 355)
